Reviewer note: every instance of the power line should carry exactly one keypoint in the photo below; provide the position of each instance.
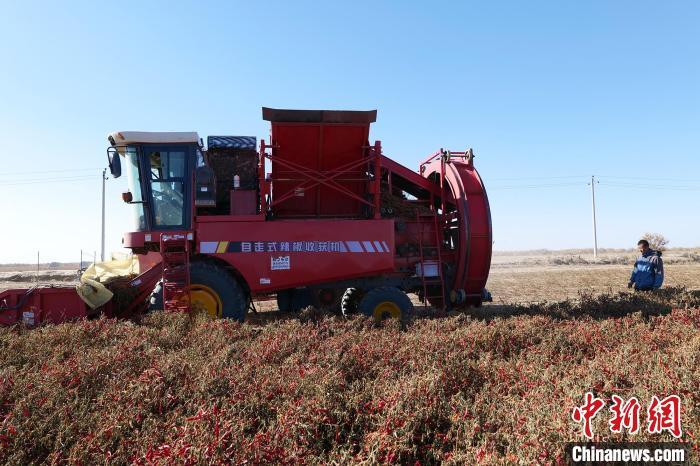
(609, 177)
(536, 186)
(608, 180)
(48, 180)
(655, 178)
(40, 180)
(659, 187)
(538, 178)
(35, 172)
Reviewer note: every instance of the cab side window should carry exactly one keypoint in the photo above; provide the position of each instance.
(167, 172)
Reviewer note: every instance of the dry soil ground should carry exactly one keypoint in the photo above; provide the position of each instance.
(557, 282)
(516, 277)
(552, 276)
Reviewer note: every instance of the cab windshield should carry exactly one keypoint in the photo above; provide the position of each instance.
(134, 180)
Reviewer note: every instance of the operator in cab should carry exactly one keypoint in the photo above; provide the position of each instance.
(648, 271)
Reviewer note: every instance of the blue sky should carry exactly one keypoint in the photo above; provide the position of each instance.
(547, 94)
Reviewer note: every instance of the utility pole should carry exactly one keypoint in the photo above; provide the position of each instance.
(102, 249)
(595, 232)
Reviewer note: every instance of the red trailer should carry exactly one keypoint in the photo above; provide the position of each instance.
(334, 222)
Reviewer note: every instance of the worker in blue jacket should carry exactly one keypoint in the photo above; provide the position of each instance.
(648, 272)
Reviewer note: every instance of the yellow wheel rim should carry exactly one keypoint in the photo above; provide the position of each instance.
(386, 309)
(204, 299)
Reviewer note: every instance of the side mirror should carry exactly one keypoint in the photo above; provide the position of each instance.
(115, 164)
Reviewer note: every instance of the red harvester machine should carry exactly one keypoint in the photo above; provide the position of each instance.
(334, 224)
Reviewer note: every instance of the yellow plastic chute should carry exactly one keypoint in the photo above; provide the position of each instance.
(91, 288)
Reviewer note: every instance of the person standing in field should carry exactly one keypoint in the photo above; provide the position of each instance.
(648, 272)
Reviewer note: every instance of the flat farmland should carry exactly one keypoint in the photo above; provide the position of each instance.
(513, 284)
(526, 277)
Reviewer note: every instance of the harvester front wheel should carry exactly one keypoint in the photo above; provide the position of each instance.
(213, 290)
(386, 302)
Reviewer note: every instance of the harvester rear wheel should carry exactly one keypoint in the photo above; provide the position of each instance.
(386, 302)
(350, 302)
(293, 299)
(327, 299)
(213, 290)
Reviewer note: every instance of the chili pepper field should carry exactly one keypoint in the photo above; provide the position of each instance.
(491, 388)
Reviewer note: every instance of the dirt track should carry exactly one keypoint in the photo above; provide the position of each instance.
(29, 279)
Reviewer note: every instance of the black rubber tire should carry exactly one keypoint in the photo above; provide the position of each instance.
(350, 302)
(155, 300)
(293, 299)
(284, 301)
(234, 299)
(331, 303)
(376, 296)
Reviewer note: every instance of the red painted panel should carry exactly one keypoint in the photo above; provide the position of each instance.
(299, 144)
(266, 254)
(319, 147)
(61, 306)
(244, 202)
(342, 144)
(147, 261)
(41, 305)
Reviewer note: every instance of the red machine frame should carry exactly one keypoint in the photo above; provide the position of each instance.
(311, 178)
(449, 229)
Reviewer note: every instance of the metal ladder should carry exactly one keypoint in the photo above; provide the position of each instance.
(428, 281)
(175, 250)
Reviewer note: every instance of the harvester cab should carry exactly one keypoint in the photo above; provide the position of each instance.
(159, 169)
